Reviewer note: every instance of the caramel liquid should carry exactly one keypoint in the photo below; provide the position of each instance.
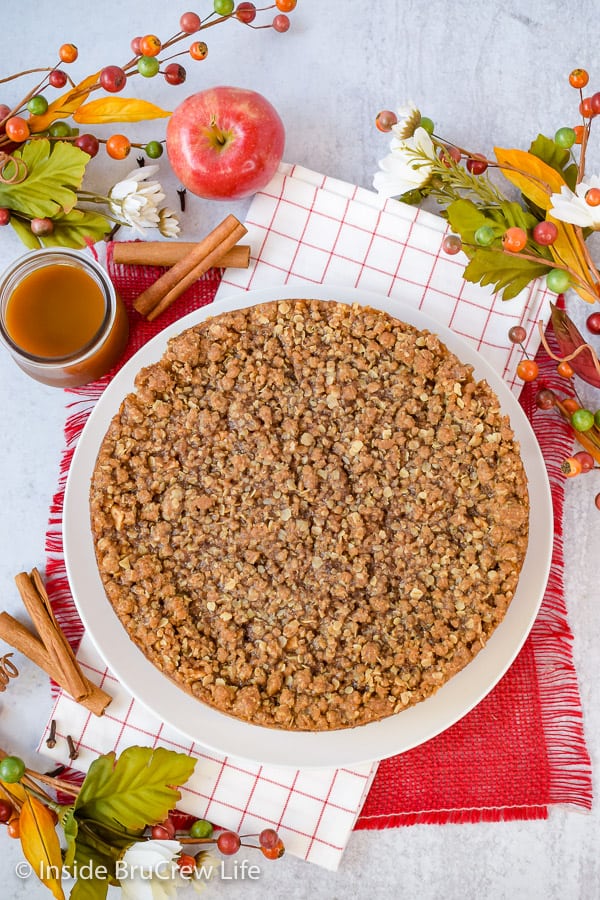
(55, 311)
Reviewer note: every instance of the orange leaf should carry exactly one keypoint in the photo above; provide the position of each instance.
(566, 250)
(535, 179)
(118, 109)
(40, 843)
(65, 105)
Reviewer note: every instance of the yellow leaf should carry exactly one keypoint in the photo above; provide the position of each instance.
(65, 105)
(567, 250)
(40, 843)
(118, 109)
(534, 178)
(15, 791)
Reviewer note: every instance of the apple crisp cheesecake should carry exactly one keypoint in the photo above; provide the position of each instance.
(308, 514)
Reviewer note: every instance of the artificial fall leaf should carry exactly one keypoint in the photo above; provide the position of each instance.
(55, 173)
(64, 106)
(589, 440)
(135, 789)
(534, 178)
(118, 109)
(569, 339)
(567, 250)
(40, 843)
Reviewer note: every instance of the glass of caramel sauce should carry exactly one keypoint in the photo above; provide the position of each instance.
(60, 317)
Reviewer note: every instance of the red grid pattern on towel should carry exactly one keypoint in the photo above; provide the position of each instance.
(523, 747)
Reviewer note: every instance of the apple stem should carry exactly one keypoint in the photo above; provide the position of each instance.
(219, 136)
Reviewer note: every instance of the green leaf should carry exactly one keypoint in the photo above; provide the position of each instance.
(25, 233)
(70, 828)
(557, 157)
(55, 173)
(509, 274)
(134, 790)
(76, 228)
(89, 862)
(89, 889)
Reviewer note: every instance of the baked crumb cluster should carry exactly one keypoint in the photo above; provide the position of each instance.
(309, 515)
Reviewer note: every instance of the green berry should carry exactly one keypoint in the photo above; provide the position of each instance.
(12, 769)
(597, 418)
(582, 420)
(148, 66)
(154, 149)
(224, 7)
(557, 280)
(59, 130)
(565, 137)
(427, 124)
(38, 105)
(201, 829)
(484, 235)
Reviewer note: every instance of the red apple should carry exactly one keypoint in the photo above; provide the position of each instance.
(225, 143)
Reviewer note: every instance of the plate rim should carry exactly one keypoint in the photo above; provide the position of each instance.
(257, 744)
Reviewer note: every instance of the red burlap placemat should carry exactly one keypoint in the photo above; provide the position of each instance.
(521, 749)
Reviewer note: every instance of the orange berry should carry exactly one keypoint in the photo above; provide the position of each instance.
(118, 146)
(528, 370)
(579, 130)
(68, 53)
(571, 467)
(150, 45)
(14, 828)
(514, 239)
(592, 197)
(198, 50)
(565, 369)
(578, 78)
(285, 5)
(17, 129)
(570, 405)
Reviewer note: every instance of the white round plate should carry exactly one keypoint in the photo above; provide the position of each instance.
(228, 735)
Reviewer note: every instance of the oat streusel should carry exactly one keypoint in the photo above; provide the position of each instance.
(309, 515)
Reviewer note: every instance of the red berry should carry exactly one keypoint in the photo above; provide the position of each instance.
(42, 227)
(528, 370)
(545, 233)
(6, 810)
(595, 103)
(4, 220)
(545, 399)
(578, 78)
(597, 501)
(586, 460)
(275, 852)
(88, 143)
(281, 23)
(477, 164)
(451, 244)
(175, 74)
(163, 832)
(135, 45)
(517, 334)
(246, 12)
(585, 108)
(4, 112)
(228, 842)
(113, 79)
(385, 120)
(593, 323)
(268, 837)
(449, 155)
(57, 78)
(189, 22)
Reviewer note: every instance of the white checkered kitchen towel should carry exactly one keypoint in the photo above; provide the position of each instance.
(310, 229)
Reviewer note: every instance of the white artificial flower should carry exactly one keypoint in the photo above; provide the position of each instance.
(409, 119)
(404, 169)
(148, 871)
(569, 206)
(135, 200)
(168, 223)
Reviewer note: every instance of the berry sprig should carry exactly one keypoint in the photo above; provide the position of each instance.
(18, 124)
(508, 243)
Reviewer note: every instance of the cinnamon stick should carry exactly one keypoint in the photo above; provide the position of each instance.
(36, 602)
(165, 253)
(159, 296)
(20, 638)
